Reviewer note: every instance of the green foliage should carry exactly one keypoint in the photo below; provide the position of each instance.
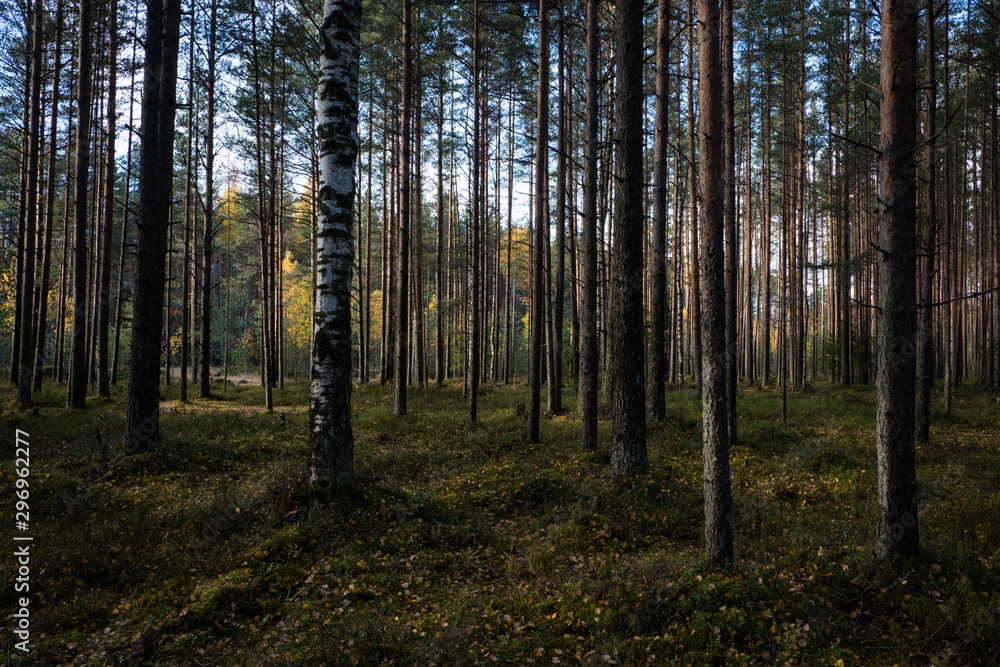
(460, 543)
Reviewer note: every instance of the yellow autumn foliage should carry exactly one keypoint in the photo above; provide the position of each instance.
(297, 303)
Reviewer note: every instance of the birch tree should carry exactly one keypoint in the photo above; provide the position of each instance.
(331, 440)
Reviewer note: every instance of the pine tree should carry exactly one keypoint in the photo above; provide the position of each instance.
(895, 381)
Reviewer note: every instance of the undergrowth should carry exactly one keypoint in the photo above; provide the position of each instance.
(462, 544)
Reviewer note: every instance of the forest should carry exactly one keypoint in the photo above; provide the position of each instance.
(569, 331)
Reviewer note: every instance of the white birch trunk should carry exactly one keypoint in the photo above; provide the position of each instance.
(331, 441)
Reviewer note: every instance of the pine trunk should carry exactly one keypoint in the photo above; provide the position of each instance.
(715, 394)
(588, 240)
(403, 256)
(628, 435)
(894, 431)
(537, 318)
(26, 338)
(78, 357)
(156, 161)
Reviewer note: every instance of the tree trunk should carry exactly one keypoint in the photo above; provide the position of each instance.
(540, 206)
(126, 206)
(187, 254)
(439, 289)
(104, 290)
(156, 161)
(204, 386)
(78, 357)
(403, 258)
(50, 201)
(555, 389)
(331, 440)
(844, 260)
(729, 196)
(472, 334)
(628, 435)
(588, 240)
(925, 334)
(661, 145)
(26, 353)
(897, 478)
(22, 210)
(696, 320)
(715, 403)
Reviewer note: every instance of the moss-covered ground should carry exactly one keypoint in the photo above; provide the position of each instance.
(461, 544)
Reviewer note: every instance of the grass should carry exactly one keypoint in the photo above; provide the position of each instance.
(461, 544)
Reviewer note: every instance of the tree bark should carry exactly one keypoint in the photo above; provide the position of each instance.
(403, 258)
(439, 289)
(555, 389)
(78, 357)
(628, 435)
(541, 205)
(156, 161)
(661, 145)
(204, 386)
(104, 290)
(588, 241)
(696, 334)
(331, 440)
(925, 334)
(897, 478)
(729, 195)
(715, 394)
(187, 254)
(50, 201)
(26, 338)
(472, 335)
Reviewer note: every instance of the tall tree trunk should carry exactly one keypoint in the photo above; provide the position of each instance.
(187, 254)
(588, 239)
(204, 386)
(417, 307)
(472, 334)
(78, 359)
(661, 145)
(949, 256)
(50, 199)
(628, 434)
(64, 270)
(26, 353)
(439, 289)
(729, 197)
(331, 441)
(540, 207)
(126, 212)
(22, 209)
(844, 260)
(748, 318)
(925, 334)
(263, 220)
(403, 256)
(555, 389)
(715, 403)
(765, 241)
(156, 160)
(696, 320)
(104, 290)
(897, 477)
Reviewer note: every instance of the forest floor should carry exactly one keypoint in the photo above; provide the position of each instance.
(461, 544)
